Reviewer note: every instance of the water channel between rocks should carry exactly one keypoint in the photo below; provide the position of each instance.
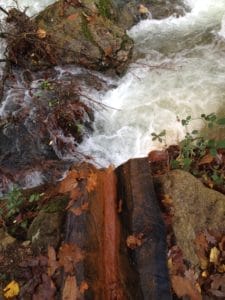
(180, 71)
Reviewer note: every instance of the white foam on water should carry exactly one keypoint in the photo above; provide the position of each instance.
(183, 73)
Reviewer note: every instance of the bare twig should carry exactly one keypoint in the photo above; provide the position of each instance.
(4, 11)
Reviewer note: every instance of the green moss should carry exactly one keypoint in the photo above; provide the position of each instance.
(86, 31)
(104, 8)
(57, 204)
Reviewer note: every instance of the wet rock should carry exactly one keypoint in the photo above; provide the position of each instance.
(86, 34)
(131, 12)
(195, 208)
(45, 230)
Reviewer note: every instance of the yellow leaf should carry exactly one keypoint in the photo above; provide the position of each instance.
(221, 269)
(214, 254)
(11, 290)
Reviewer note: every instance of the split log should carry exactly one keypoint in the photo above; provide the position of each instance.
(121, 235)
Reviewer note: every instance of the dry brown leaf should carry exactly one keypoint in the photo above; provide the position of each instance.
(41, 33)
(210, 239)
(201, 250)
(218, 285)
(175, 256)
(69, 255)
(183, 287)
(79, 210)
(83, 287)
(73, 17)
(91, 182)
(134, 241)
(69, 183)
(207, 159)
(70, 290)
(45, 290)
(222, 244)
(52, 261)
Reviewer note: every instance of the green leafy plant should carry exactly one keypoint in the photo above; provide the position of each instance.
(46, 85)
(159, 137)
(14, 201)
(197, 146)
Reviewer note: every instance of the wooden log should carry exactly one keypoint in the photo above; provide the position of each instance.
(141, 218)
(113, 268)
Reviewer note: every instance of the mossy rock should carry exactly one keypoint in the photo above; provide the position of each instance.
(86, 35)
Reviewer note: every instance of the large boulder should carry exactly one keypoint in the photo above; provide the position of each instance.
(196, 208)
(85, 33)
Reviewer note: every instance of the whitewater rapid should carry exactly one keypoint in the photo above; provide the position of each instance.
(180, 72)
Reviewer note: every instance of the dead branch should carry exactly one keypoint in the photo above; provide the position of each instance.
(4, 11)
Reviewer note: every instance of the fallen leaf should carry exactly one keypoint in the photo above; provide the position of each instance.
(201, 250)
(70, 290)
(46, 290)
(177, 261)
(210, 239)
(52, 261)
(83, 287)
(11, 290)
(134, 241)
(207, 159)
(69, 183)
(73, 17)
(218, 285)
(91, 182)
(222, 244)
(214, 255)
(183, 287)
(79, 210)
(69, 255)
(41, 33)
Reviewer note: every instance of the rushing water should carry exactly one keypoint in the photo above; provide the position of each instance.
(180, 72)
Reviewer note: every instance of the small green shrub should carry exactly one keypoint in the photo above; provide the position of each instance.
(197, 145)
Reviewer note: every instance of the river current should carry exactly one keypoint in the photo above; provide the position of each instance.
(180, 71)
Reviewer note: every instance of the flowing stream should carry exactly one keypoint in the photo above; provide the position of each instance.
(180, 71)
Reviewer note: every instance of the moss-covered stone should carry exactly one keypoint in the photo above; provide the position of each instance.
(86, 34)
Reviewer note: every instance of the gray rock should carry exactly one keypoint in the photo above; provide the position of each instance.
(195, 207)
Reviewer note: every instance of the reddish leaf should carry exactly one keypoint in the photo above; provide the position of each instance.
(69, 183)
(83, 287)
(183, 287)
(73, 17)
(52, 262)
(207, 159)
(69, 255)
(91, 182)
(70, 290)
